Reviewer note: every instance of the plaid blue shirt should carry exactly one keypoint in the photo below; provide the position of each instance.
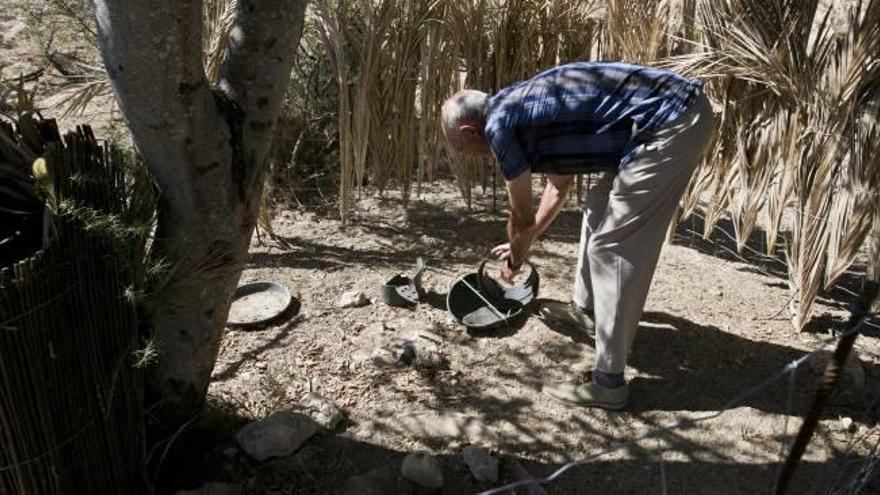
(582, 117)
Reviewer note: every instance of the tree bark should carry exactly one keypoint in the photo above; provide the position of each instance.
(873, 274)
(206, 149)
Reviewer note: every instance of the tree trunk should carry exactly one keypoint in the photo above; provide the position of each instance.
(206, 149)
(874, 259)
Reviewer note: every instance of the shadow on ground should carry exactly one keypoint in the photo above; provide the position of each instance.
(429, 230)
(721, 244)
(335, 463)
(685, 366)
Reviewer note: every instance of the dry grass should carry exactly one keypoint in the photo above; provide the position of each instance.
(792, 81)
(795, 85)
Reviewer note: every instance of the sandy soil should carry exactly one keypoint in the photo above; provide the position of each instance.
(712, 329)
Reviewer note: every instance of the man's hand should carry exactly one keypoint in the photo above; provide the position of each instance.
(503, 253)
(508, 271)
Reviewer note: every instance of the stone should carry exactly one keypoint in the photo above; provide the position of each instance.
(482, 465)
(520, 473)
(399, 344)
(384, 357)
(353, 299)
(852, 378)
(855, 371)
(429, 359)
(322, 410)
(278, 435)
(214, 488)
(422, 469)
(380, 481)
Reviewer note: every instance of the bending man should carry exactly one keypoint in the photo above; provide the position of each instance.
(644, 130)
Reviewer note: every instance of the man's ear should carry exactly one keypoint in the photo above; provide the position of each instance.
(470, 129)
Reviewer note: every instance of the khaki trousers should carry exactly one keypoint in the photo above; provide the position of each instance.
(626, 216)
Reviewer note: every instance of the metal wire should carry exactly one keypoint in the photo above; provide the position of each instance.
(686, 423)
(789, 370)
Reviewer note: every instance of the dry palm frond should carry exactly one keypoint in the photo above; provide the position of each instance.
(780, 62)
(85, 81)
(790, 80)
(832, 157)
(755, 150)
(332, 19)
(404, 76)
(636, 30)
(765, 43)
(219, 16)
(813, 179)
(787, 155)
(856, 198)
(367, 42)
(437, 74)
(82, 87)
(493, 43)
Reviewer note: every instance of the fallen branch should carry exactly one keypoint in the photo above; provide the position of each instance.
(827, 386)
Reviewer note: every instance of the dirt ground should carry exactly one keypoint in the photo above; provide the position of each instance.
(712, 329)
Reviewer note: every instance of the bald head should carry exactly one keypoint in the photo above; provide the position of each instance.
(463, 120)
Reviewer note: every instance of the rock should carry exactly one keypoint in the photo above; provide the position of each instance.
(482, 465)
(278, 435)
(353, 299)
(855, 372)
(520, 473)
(322, 410)
(429, 359)
(384, 357)
(404, 353)
(846, 423)
(852, 378)
(213, 488)
(399, 344)
(379, 481)
(277, 472)
(422, 469)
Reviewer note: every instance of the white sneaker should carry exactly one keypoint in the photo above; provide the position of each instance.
(586, 393)
(567, 314)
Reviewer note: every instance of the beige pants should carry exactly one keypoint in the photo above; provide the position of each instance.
(626, 215)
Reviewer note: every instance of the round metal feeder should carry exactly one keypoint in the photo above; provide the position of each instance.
(522, 294)
(260, 303)
(402, 290)
(479, 302)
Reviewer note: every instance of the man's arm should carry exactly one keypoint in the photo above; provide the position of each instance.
(555, 195)
(524, 226)
(521, 223)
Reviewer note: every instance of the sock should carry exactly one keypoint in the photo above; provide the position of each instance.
(608, 380)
